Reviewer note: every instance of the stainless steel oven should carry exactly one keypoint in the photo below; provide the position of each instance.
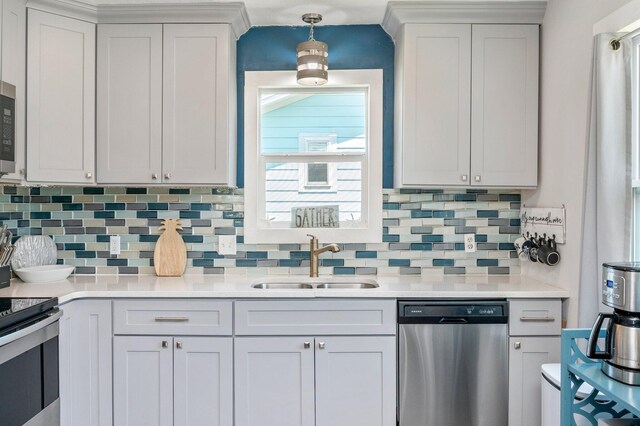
(29, 388)
(8, 111)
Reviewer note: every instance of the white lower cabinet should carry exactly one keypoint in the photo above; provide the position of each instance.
(534, 328)
(85, 363)
(160, 380)
(323, 381)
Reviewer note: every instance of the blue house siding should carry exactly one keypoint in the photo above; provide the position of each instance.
(339, 114)
(350, 47)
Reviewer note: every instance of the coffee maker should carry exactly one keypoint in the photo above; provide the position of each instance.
(621, 354)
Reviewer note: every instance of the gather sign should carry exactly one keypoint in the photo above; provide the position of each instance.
(315, 217)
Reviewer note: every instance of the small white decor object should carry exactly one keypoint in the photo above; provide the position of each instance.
(44, 273)
(315, 217)
(34, 250)
(544, 220)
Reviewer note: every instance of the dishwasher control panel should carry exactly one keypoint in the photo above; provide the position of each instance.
(454, 312)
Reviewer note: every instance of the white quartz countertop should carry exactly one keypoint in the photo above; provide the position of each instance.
(225, 286)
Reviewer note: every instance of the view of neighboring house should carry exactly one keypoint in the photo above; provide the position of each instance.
(313, 124)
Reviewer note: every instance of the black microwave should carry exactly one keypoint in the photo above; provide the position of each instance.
(8, 110)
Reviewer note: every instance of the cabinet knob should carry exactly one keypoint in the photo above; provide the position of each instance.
(307, 345)
(464, 178)
(478, 178)
(179, 344)
(321, 345)
(154, 176)
(167, 175)
(165, 344)
(517, 345)
(21, 171)
(88, 175)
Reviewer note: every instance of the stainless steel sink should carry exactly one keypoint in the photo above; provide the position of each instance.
(348, 285)
(292, 285)
(281, 286)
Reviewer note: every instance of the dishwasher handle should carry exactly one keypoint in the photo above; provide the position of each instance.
(453, 320)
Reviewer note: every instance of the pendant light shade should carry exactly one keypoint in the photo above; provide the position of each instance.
(313, 56)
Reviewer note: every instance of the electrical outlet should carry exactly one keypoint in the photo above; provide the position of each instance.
(226, 244)
(470, 243)
(114, 244)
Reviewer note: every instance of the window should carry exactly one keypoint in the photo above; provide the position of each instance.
(315, 150)
(635, 144)
(318, 177)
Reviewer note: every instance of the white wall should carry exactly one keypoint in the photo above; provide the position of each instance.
(566, 55)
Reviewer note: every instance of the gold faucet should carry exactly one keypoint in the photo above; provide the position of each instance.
(314, 252)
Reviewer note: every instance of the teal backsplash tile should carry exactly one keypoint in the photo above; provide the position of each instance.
(422, 231)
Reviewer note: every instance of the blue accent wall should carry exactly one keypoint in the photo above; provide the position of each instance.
(350, 47)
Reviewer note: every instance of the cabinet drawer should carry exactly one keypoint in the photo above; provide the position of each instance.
(172, 317)
(535, 317)
(312, 317)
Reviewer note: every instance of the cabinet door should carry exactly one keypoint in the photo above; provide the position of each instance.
(504, 112)
(85, 363)
(61, 99)
(196, 104)
(129, 126)
(434, 115)
(526, 356)
(142, 380)
(14, 47)
(355, 381)
(203, 381)
(274, 381)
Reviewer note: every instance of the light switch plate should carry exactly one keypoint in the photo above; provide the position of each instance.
(114, 245)
(226, 244)
(470, 243)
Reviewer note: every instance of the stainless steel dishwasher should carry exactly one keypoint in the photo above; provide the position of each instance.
(453, 363)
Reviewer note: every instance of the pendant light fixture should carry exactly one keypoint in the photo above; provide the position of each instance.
(312, 56)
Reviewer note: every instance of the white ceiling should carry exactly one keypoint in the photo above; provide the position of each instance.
(288, 12)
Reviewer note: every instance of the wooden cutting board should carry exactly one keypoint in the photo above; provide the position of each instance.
(170, 254)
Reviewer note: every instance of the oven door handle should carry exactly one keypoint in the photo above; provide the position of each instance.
(50, 319)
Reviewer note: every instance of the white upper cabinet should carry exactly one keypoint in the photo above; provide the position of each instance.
(13, 36)
(166, 104)
(504, 106)
(129, 125)
(61, 99)
(198, 114)
(466, 105)
(433, 107)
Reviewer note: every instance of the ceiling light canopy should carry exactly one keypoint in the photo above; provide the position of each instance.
(313, 64)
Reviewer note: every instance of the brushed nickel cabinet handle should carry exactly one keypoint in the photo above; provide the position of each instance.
(321, 345)
(179, 344)
(478, 178)
(517, 345)
(464, 178)
(154, 176)
(537, 319)
(165, 344)
(167, 175)
(89, 175)
(172, 319)
(307, 345)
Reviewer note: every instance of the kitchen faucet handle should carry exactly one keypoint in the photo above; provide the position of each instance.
(313, 237)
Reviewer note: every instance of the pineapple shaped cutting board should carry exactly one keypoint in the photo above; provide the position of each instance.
(170, 254)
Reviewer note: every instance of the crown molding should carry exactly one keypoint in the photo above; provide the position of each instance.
(70, 8)
(234, 14)
(399, 13)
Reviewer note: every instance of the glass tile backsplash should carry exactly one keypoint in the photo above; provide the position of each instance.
(422, 231)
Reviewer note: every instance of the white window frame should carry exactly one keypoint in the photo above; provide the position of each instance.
(331, 140)
(635, 143)
(256, 229)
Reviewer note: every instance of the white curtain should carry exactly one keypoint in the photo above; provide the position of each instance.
(608, 199)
